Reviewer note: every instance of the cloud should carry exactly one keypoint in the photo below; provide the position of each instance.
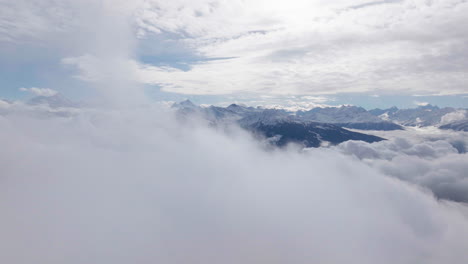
(314, 47)
(436, 162)
(454, 116)
(133, 185)
(28, 19)
(95, 37)
(46, 92)
(4, 106)
(294, 48)
(418, 103)
(369, 4)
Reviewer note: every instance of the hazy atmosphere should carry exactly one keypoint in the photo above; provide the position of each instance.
(233, 131)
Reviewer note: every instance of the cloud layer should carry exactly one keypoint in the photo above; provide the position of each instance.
(126, 186)
(436, 160)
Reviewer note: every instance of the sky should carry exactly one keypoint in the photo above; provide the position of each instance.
(362, 52)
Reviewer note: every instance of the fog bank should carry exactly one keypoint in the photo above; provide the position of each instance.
(127, 186)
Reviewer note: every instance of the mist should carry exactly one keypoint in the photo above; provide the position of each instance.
(125, 186)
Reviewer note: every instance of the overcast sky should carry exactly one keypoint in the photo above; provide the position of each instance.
(364, 52)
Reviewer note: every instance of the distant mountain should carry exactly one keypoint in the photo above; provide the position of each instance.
(307, 134)
(278, 126)
(382, 125)
(320, 125)
(461, 125)
(343, 114)
(427, 115)
(213, 114)
(380, 112)
(266, 116)
(187, 104)
(350, 117)
(242, 110)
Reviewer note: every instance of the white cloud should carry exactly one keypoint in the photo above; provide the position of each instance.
(40, 91)
(307, 47)
(418, 103)
(4, 106)
(295, 47)
(23, 20)
(132, 185)
(430, 158)
(454, 116)
(96, 37)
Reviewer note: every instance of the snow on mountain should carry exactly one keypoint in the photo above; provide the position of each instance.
(350, 117)
(316, 126)
(308, 134)
(427, 115)
(277, 126)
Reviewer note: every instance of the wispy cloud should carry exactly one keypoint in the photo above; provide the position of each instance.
(40, 91)
(368, 4)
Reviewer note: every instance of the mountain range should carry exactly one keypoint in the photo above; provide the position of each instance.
(347, 116)
(313, 128)
(324, 126)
